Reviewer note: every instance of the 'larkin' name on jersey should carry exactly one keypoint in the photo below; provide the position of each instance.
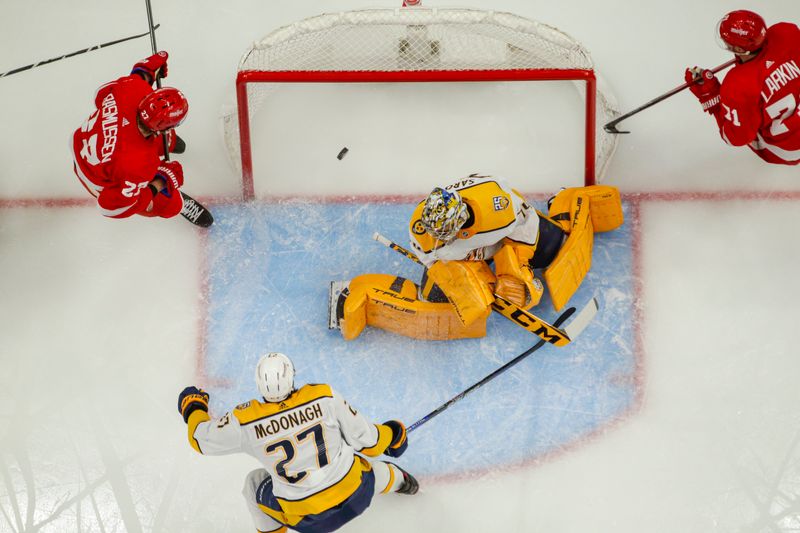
(779, 77)
(288, 421)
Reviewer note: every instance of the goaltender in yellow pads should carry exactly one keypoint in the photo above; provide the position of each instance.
(456, 232)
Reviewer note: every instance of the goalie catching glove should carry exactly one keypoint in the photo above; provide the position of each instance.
(399, 439)
(190, 400)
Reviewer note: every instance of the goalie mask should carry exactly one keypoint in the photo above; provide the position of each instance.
(443, 214)
(275, 376)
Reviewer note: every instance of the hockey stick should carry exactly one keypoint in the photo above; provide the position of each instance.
(196, 210)
(90, 49)
(611, 127)
(551, 333)
(566, 314)
(158, 78)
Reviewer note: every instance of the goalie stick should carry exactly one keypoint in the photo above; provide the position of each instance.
(566, 314)
(551, 333)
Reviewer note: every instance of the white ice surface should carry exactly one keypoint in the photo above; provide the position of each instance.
(97, 337)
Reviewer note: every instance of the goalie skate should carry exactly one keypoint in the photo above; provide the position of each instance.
(336, 296)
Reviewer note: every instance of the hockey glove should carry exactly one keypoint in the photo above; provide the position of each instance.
(399, 439)
(190, 400)
(152, 67)
(706, 89)
(172, 174)
(513, 290)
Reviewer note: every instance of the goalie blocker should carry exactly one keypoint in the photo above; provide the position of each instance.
(391, 302)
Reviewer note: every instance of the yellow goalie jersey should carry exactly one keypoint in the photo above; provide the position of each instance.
(496, 211)
(307, 444)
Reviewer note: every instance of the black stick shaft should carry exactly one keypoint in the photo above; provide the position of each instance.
(65, 56)
(158, 78)
(560, 320)
(153, 45)
(611, 126)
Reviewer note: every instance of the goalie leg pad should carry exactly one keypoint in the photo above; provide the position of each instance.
(574, 259)
(390, 303)
(561, 208)
(605, 207)
(429, 291)
(468, 285)
(604, 203)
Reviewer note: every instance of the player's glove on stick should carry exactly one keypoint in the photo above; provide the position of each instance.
(190, 400)
(706, 89)
(172, 174)
(399, 439)
(152, 67)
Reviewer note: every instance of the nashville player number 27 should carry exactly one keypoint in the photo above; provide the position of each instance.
(289, 449)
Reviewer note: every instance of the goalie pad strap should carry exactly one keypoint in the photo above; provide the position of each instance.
(549, 242)
(429, 291)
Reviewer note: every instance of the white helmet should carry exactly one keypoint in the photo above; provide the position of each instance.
(275, 376)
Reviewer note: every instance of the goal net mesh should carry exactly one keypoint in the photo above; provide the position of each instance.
(416, 41)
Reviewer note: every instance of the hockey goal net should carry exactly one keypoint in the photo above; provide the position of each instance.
(420, 45)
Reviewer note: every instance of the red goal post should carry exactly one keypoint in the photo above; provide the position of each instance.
(408, 45)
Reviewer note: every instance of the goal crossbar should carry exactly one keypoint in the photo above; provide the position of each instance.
(246, 77)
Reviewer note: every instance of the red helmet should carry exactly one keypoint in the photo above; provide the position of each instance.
(163, 109)
(742, 29)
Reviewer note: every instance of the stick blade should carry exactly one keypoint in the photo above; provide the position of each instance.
(612, 128)
(579, 323)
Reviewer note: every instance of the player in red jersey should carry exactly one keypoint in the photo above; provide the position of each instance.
(118, 151)
(757, 102)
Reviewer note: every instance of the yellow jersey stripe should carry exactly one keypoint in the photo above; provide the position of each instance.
(256, 410)
(329, 497)
(283, 518)
(197, 417)
(391, 479)
(384, 439)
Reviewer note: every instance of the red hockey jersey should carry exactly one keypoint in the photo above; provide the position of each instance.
(113, 159)
(759, 99)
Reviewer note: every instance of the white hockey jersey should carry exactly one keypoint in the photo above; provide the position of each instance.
(496, 212)
(306, 443)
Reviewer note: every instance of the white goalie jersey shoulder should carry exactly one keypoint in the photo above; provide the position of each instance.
(496, 212)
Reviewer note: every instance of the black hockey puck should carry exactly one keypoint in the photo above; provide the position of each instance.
(342, 153)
